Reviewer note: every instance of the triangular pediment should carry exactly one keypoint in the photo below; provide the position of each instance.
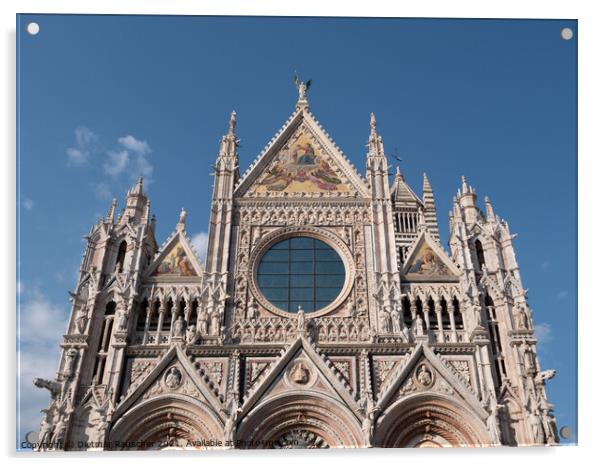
(301, 367)
(173, 374)
(425, 372)
(301, 161)
(175, 260)
(427, 261)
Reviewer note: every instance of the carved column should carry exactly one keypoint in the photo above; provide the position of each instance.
(160, 322)
(452, 321)
(438, 311)
(149, 311)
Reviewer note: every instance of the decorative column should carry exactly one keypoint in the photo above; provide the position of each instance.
(438, 311)
(149, 311)
(160, 322)
(452, 321)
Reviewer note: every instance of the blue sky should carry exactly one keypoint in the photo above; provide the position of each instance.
(103, 99)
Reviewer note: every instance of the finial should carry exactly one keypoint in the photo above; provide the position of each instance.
(489, 209)
(111, 212)
(137, 189)
(464, 185)
(397, 171)
(183, 215)
(232, 121)
(372, 121)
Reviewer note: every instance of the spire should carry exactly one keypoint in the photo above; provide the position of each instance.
(135, 203)
(375, 141)
(430, 214)
(426, 186)
(229, 145)
(232, 128)
(111, 213)
(137, 189)
(489, 210)
(464, 185)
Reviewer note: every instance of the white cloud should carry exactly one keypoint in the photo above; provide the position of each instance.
(41, 320)
(545, 265)
(563, 294)
(199, 241)
(84, 136)
(77, 157)
(40, 328)
(28, 204)
(135, 145)
(117, 162)
(102, 191)
(543, 333)
(131, 158)
(85, 140)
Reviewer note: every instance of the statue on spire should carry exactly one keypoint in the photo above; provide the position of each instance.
(302, 87)
(232, 122)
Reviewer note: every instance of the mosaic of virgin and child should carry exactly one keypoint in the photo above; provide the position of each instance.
(302, 169)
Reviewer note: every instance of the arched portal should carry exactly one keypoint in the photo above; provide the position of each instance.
(429, 420)
(300, 420)
(173, 422)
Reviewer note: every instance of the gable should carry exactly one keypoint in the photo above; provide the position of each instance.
(301, 367)
(425, 372)
(428, 262)
(173, 374)
(302, 165)
(301, 160)
(175, 260)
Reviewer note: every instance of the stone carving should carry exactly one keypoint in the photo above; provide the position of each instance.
(122, 320)
(419, 326)
(543, 376)
(81, 319)
(252, 311)
(493, 422)
(407, 387)
(179, 327)
(300, 373)
(255, 370)
(203, 321)
(300, 439)
(396, 319)
(368, 427)
(385, 322)
(191, 335)
(383, 369)
(462, 368)
(70, 358)
(45, 434)
(424, 376)
(405, 331)
(215, 322)
(536, 428)
(173, 378)
(343, 368)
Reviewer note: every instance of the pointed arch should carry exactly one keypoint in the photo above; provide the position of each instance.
(175, 417)
(322, 416)
(429, 417)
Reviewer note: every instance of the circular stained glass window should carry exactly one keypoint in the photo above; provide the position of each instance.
(301, 271)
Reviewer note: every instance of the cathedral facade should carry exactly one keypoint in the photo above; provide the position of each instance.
(326, 314)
